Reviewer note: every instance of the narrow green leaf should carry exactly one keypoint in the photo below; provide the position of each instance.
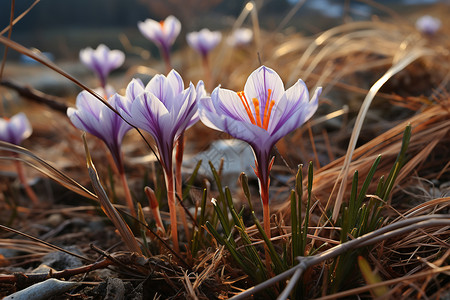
(191, 180)
(220, 189)
(295, 251)
(299, 190)
(352, 208)
(244, 183)
(399, 162)
(279, 266)
(221, 216)
(308, 205)
(365, 186)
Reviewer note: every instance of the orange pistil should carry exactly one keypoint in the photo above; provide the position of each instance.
(268, 110)
(263, 121)
(246, 106)
(256, 105)
(161, 23)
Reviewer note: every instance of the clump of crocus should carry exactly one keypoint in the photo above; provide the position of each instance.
(94, 117)
(428, 25)
(204, 41)
(261, 115)
(165, 109)
(240, 37)
(14, 131)
(163, 34)
(102, 61)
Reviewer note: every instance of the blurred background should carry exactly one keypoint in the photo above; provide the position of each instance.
(62, 28)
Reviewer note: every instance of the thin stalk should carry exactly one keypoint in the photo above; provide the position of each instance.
(266, 221)
(170, 185)
(179, 183)
(128, 198)
(165, 53)
(31, 194)
(206, 71)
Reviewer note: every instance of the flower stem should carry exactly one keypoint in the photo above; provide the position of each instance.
(266, 221)
(178, 179)
(206, 71)
(25, 184)
(170, 185)
(165, 53)
(128, 198)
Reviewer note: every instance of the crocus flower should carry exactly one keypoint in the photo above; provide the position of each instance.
(204, 40)
(165, 109)
(15, 129)
(428, 24)
(240, 37)
(102, 61)
(162, 33)
(260, 115)
(93, 116)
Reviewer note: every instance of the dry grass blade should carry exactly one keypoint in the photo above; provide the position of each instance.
(400, 65)
(17, 19)
(403, 279)
(382, 234)
(47, 169)
(430, 125)
(43, 60)
(430, 205)
(42, 242)
(108, 208)
(32, 247)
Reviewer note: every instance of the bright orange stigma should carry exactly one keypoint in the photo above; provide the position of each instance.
(261, 121)
(161, 23)
(246, 106)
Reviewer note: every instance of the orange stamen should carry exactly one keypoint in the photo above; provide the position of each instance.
(268, 110)
(256, 105)
(246, 106)
(161, 23)
(263, 121)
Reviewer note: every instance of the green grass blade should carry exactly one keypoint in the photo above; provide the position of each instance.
(220, 189)
(279, 266)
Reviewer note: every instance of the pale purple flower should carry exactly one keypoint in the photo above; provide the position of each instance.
(163, 108)
(200, 93)
(162, 33)
(240, 37)
(260, 115)
(15, 129)
(102, 61)
(428, 24)
(204, 40)
(93, 116)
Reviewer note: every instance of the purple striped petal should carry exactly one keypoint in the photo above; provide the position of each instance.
(164, 109)
(163, 33)
(102, 60)
(204, 40)
(261, 115)
(94, 117)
